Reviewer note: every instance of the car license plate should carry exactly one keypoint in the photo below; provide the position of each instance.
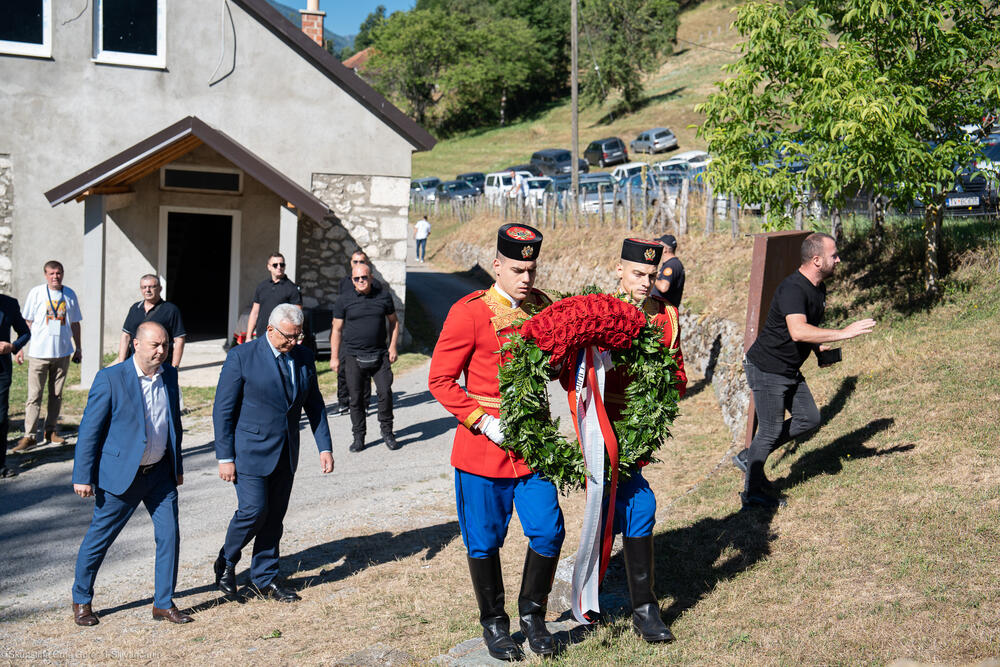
(962, 201)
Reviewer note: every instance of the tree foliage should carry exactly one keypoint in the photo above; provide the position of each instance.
(833, 95)
(620, 41)
(366, 32)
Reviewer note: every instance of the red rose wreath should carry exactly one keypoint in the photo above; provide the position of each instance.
(561, 331)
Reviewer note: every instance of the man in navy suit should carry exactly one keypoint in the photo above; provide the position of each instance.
(128, 451)
(10, 316)
(264, 386)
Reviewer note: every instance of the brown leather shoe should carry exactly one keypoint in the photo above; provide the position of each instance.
(84, 615)
(25, 443)
(174, 615)
(55, 438)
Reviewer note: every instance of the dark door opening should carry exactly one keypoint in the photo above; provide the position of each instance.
(198, 246)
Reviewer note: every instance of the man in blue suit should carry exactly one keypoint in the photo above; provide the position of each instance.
(128, 451)
(264, 386)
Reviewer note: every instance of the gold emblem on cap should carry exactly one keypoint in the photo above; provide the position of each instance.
(649, 254)
(527, 251)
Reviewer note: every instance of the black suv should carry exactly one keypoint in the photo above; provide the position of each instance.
(610, 150)
(556, 161)
(474, 178)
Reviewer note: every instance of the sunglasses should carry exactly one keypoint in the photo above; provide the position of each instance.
(278, 265)
(149, 287)
(360, 279)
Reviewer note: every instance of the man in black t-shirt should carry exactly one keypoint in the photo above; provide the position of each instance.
(359, 327)
(269, 293)
(153, 309)
(669, 282)
(772, 363)
(358, 258)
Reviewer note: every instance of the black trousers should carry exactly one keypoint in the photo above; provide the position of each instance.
(358, 380)
(343, 394)
(5, 374)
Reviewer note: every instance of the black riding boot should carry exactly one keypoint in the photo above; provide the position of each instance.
(645, 607)
(536, 583)
(487, 582)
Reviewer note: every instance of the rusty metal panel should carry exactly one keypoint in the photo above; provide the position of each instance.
(775, 257)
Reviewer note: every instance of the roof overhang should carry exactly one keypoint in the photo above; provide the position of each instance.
(118, 173)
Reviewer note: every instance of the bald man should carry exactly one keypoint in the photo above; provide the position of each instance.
(129, 452)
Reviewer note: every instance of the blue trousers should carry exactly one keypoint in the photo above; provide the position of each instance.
(158, 492)
(421, 248)
(259, 516)
(635, 507)
(485, 505)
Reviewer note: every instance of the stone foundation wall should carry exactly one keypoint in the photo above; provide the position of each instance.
(6, 221)
(712, 345)
(370, 213)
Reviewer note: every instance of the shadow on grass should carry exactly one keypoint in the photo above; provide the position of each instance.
(619, 109)
(350, 555)
(713, 360)
(826, 414)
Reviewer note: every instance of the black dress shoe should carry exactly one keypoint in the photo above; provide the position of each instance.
(278, 591)
(358, 444)
(225, 577)
(759, 499)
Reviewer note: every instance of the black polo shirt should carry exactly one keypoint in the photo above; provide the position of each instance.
(672, 270)
(364, 316)
(164, 313)
(774, 351)
(269, 294)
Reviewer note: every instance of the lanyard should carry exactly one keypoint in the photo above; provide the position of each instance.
(54, 306)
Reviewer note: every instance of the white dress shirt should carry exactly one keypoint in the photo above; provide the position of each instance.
(154, 401)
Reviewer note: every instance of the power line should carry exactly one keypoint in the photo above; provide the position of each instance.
(702, 46)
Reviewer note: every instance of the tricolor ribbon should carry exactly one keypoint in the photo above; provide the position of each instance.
(593, 429)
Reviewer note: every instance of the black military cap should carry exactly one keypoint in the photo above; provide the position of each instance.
(642, 251)
(519, 242)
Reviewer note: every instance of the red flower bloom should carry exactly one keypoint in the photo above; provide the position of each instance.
(581, 321)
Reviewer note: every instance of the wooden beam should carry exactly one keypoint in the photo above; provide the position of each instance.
(104, 190)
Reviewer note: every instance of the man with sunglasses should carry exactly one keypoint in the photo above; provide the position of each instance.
(263, 389)
(153, 309)
(359, 327)
(358, 258)
(269, 293)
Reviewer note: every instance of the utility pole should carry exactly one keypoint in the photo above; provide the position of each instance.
(574, 87)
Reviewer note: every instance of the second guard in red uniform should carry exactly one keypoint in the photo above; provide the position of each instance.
(489, 480)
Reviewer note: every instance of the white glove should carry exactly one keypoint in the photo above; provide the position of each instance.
(489, 426)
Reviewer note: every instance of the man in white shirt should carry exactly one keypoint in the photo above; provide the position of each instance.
(422, 231)
(53, 313)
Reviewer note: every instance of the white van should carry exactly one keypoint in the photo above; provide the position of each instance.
(497, 185)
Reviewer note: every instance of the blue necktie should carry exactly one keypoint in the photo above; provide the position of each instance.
(286, 378)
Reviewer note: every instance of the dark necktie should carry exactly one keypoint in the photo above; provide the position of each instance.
(286, 378)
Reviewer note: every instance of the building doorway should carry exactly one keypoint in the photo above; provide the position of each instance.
(198, 271)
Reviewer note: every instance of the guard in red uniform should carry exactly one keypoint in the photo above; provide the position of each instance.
(635, 504)
(489, 480)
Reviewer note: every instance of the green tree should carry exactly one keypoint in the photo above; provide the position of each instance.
(366, 32)
(628, 38)
(862, 94)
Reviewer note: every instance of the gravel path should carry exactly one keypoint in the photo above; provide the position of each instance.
(43, 522)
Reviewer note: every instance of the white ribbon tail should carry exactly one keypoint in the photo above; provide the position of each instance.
(586, 569)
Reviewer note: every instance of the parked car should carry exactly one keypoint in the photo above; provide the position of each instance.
(533, 190)
(555, 161)
(602, 177)
(530, 168)
(596, 194)
(557, 189)
(497, 185)
(455, 190)
(653, 141)
(610, 150)
(633, 188)
(316, 328)
(623, 171)
(423, 189)
(474, 178)
(686, 156)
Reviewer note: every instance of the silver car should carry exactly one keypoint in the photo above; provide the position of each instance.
(654, 140)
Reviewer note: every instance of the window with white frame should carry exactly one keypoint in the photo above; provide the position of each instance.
(130, 32)
(26, 27)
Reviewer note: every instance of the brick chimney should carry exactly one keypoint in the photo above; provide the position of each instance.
(312, 21)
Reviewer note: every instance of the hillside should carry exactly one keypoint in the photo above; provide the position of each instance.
(705, 43)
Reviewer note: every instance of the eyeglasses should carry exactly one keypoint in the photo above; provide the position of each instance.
(149, 287)
(360, 279)
(291, 338)
(278, 265)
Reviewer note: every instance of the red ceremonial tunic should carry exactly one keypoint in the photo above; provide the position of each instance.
(469, 344)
